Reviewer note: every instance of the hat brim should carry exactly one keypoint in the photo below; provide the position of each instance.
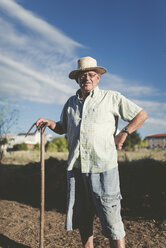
(98, 69)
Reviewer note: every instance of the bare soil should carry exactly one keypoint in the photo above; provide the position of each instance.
(143, 188)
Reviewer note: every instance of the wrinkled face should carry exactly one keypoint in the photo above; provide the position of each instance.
(88, 80)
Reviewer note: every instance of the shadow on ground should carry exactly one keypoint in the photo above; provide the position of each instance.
(143, 186)
(22, 184)
(5, 242)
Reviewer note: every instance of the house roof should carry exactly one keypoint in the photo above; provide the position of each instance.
(156, 135)
(30, 134)
(8, 135)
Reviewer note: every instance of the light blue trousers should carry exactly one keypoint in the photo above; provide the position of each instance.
(90, 193)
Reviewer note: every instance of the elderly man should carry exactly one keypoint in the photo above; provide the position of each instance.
(89, 119)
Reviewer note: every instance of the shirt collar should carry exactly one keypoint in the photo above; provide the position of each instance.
(92, 93)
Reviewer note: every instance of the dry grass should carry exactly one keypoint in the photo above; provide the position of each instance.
(159, 155)
(25, 157)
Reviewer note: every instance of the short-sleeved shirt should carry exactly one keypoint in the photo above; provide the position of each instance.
(90, 126)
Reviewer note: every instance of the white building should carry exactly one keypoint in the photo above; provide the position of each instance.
(30, 139)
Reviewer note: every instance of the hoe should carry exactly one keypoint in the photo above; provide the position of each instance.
(41, 129)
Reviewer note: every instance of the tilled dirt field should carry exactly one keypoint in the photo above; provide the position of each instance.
(143, 187)
(20, 226)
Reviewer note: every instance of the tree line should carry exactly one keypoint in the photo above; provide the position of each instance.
(59, 144)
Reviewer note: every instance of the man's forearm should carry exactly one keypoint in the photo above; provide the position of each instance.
(56, 127)
(137, 121)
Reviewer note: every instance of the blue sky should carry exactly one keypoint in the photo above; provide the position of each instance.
(40, 42)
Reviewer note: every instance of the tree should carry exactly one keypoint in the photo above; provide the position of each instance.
(8, 117)
(51, 147)
(36, 147)
(20, 147)
(132, 140)
(57, 145)
(3, 142)
(61, 144)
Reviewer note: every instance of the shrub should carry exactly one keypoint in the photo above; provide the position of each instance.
(36, 147)
(61, 144)
(20, 147)
(57, 145)
(132, 140)
(51, 147)
(3, 141)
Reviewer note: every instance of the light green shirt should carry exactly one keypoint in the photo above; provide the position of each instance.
(90, 126)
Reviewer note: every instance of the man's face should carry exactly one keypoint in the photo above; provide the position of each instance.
(88, 80)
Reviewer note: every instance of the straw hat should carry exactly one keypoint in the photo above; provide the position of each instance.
(86, 64)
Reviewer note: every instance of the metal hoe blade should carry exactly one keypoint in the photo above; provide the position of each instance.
(40, 128)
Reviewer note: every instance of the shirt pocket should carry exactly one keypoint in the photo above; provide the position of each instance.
(101, 115)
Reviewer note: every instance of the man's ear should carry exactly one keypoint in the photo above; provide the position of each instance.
(99, 76)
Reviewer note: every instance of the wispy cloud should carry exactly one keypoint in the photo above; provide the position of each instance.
(131, 89)
(32, 86)
(156, 123)
(35, 57)
(153, 107)
(38, 25)
(160, 123)
(40, 77)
